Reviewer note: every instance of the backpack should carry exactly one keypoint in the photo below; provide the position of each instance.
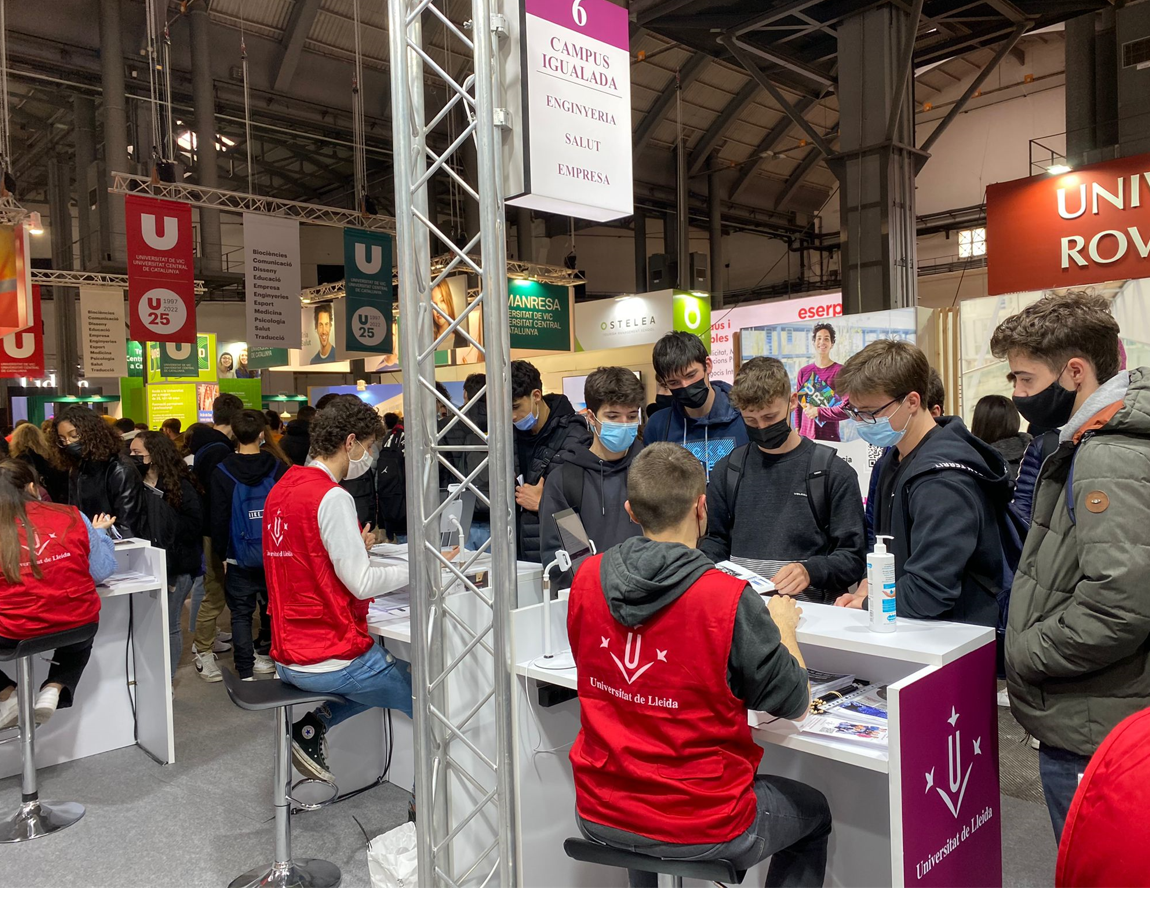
(818, 483)
(246, 527)
(391, 485)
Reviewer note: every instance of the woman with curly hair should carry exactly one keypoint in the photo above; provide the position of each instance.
(102, 479)
(175, 523)
(29, 444)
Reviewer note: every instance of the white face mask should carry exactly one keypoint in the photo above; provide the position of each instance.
(357, 467)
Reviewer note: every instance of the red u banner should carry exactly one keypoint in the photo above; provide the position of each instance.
(161, 277)
(22, 353)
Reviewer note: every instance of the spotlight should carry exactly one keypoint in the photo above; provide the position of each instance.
(35, 225)
(1059, 169)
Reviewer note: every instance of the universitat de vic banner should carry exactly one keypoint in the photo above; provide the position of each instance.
(367, 286)
(161, 277)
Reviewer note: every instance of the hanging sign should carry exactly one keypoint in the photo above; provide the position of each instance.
(161, 277)
(15, 279)
(539, 315)
(135, 359)
(260, 357)
(1087, 226)
(571, 118)
(22, 352)
(183, 362)
(272, 281)
(367, 286)
(176, 400)
(641, 319)
(102, 332)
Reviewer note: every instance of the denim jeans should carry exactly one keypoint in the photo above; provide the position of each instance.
(179, 585)
(197, 600)
(792, 827)
(374, 679)
(480, 532)
(1059, 771)
(244, 588)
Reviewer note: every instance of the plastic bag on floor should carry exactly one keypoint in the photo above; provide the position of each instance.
(391, 858)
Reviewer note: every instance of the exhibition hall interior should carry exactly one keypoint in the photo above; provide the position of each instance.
(574, 443)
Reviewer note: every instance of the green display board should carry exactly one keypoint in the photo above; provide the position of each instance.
(693, 314)
(260, 358)
(251, 391)
(176, 400)
(135, 359)
(165, 357)
(133, 401)
(539, 315)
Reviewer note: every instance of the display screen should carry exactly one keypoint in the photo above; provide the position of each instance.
(572, 535)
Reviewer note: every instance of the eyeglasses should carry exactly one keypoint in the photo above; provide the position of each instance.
(869, 417)
(65, 441)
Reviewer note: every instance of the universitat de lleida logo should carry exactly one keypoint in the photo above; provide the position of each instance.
(632, 667)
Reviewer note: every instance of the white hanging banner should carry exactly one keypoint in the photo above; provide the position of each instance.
(272, 281)
(103, 332)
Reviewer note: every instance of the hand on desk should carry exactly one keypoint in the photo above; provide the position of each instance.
(785, 611)
(528, 497)
(452, 553)
(103, 521)
(369, 538)
(791, 579)
(853, 599)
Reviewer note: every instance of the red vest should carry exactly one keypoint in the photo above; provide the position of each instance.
(66, 596)
(314, 616)
(665, 750)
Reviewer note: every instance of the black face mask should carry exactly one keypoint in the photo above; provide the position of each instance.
(771, 437)
(141, 465)
(1048, 409)
(693, 395)
(75, 450)
(660, 403)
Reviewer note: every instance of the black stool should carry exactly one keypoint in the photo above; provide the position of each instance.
(274, 694)
(671, 872)
(37, 818)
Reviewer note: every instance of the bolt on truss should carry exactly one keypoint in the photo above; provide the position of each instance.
(231, 201)
(461, 652)
(49, 278)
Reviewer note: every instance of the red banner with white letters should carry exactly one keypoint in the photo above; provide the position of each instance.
(161, 277)
(22, 353)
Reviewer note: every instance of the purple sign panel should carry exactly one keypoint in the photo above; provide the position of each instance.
(951, 818)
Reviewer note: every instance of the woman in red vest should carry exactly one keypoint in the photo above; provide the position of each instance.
(51, 558)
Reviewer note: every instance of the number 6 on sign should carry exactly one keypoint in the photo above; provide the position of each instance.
(578, 13)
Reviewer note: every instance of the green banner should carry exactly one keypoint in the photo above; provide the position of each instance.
(177, 363)
(262, 358)
(539, 315)
(693, 314)
(176, 400)
(135, 359)
(132, 399)
(251, 391)
(367, 286)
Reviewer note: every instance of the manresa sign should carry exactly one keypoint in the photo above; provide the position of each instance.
(539, 315)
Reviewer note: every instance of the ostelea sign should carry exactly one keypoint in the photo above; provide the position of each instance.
(1082, 227)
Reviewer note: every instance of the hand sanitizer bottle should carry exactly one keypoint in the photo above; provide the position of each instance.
(880, 587)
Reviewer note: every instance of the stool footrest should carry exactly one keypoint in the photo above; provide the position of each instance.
(584, 851)
(307, 808)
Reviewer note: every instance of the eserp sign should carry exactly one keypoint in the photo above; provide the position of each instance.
(575, 119)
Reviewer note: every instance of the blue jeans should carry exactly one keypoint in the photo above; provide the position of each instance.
(178, 587)
(374, 679)
(1059, 771)
(480, 533)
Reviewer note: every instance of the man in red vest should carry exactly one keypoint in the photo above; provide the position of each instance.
(672, 653)
(320, 582)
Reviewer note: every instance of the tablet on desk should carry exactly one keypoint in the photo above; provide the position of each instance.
(572, 536)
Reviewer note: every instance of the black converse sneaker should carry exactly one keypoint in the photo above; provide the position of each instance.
(309, 748)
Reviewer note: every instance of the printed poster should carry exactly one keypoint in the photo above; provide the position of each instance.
(367, 286)
(272, 280)
(22, 352)
(161, 277)
(102, 331)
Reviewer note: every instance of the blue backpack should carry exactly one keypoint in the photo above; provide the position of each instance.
(246, 528)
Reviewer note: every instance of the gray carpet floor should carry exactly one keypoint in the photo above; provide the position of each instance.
(205, 819)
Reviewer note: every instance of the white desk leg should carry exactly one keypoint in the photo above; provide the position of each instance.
(152, 671)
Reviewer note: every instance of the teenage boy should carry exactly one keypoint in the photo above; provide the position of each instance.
(1078, 633)
(707, 651)
(939, 491)
(239, 489)
(815, 545)
(701, 417)
(543, 424)
(593, 479)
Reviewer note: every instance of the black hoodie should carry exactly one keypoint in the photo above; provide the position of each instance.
(640, 578)
(209, 448)
(248, 469)
(946, 546)
(296, 441)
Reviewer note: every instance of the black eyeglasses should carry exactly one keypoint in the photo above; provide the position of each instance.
(869, 417)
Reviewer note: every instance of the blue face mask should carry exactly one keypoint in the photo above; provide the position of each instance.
(526, 423)
(881, 434)
(617, 437)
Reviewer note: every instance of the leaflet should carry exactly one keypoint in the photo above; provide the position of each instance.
(830, 727)
(867, 705)
(759, 583)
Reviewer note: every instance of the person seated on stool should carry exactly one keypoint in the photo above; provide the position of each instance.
(320, 581)
(672, 653)
(48, 589)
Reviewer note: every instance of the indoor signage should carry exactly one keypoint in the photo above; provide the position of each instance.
(574, 120)
(367, 286)
(1086, 226)
(135, 352)
(729, 321)
(182, 362)
(249, 391)
(161, 279)
(641, 319)
(15, 279)
(539, 315)
(176, 400)
(102, 331)
(272, 281)
(22, 352)
(262, 357)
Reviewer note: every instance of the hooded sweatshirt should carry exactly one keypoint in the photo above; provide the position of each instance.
(710, 438)
(1012, 448)
(209, 448)
(602, 509)
(296, 441)
(248, 469)
(944, 523)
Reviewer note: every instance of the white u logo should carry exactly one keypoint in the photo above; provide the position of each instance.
(20, 345)
(179, 350)
(371, 266)
(633, 662)
(171, 232)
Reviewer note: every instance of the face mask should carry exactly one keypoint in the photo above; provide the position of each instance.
(617, 437)
(771, 437)
(141, 465)
(693, 395)
(527, 423)
(357, 467)
(661, 402)
(75, 451)
(1048, 409)
(881, 434)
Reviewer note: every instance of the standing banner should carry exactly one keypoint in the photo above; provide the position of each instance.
(539, 315)
(102, 331)
(367, 286)
(22, 352)
(161, 277)
(272, 281)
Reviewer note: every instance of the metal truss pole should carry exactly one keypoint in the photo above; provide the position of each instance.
(461, 657)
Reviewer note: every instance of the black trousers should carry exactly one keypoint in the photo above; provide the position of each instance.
(246, 592)
(67, 666)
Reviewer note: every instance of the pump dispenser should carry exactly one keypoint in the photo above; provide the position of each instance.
(880, 587)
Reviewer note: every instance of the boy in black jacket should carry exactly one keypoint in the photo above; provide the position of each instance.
(783, 506)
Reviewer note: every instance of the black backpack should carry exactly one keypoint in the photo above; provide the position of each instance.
(391, 485)
(818, 484)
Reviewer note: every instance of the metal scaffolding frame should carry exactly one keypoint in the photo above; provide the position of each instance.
(49, 278)
(461, 651)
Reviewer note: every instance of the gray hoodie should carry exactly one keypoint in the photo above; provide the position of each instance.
(640, 578)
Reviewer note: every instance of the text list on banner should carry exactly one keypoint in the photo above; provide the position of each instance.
(102, 331)
(367, 284)
(161, 277)
(22, 352)
(272, 281)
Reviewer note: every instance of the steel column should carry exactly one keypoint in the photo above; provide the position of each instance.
(84, 111)
(715, 230)
(115, 120)
(524, 236)
(640, 252)
(64, 299)
(683, 223)
(207, 167)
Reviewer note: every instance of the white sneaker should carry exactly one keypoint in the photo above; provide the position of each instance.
(9, 711)
(222, 636)
(221, 644)
(207, 667)
(264, 664)
(46, 703)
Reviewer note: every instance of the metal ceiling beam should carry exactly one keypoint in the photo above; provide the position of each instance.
(300, 20)
(821, 78)
(766, 145)
(799, 174)
(906, 67)
(721, 125)
(666, 7)
(683, 79)
(778, 12)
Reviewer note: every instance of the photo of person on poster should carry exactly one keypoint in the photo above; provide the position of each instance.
(225, 366)
(242, 370)
(324, 317)
(820, 409)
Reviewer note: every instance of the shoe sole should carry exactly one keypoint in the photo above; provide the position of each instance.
(211, 677)
(307, 767)
(42, 715)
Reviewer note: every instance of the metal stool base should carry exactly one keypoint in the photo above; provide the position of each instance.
(38, 818)
(293, 874)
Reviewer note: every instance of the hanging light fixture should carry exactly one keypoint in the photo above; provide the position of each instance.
(35, 224)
